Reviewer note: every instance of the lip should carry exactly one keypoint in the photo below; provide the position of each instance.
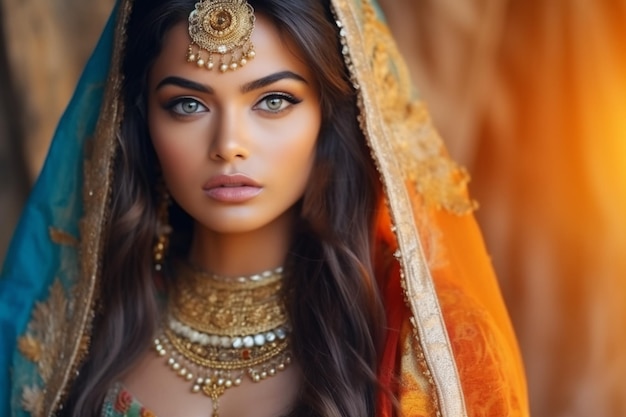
(234, 188)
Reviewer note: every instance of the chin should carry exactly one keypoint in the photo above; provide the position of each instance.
(226, 226)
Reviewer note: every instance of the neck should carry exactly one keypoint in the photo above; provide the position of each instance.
(240, 254)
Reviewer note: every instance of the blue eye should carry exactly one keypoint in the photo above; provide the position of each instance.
(275, 103)
(186, 106)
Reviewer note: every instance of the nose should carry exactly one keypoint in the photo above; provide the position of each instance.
(229, 141)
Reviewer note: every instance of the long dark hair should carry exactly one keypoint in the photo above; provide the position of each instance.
(331, 294)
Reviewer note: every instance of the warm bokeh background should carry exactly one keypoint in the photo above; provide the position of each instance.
(529, 95)
(43, 47)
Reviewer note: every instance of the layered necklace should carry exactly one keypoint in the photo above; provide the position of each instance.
(219, 330)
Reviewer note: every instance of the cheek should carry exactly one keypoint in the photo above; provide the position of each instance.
(295, 142)
(306, 147)
(169, 152)
(170, 156)
(297, 158)
(175, 146)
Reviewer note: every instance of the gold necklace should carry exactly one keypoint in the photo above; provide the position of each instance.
(219, 329)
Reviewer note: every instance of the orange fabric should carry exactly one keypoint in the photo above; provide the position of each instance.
(485, 348)
(546, 150)
(482, 339)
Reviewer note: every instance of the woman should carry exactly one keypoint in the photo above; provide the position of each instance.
(269, 227)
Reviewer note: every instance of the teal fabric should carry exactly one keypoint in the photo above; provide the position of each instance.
(33, 261)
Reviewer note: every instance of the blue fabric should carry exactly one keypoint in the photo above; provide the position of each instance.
(33, 261)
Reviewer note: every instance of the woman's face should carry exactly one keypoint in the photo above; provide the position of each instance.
(237, 148)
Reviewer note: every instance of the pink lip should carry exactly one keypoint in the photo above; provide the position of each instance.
(235, 188)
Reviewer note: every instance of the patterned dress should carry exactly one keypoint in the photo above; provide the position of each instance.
(120, 403)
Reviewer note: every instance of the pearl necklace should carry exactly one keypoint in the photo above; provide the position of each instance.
(220, 329)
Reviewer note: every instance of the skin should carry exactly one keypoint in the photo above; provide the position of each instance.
(212, 124)
(234, 128)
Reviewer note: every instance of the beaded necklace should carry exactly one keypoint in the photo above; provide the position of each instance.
(219, 329)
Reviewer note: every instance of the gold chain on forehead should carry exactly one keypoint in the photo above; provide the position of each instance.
(220, 33)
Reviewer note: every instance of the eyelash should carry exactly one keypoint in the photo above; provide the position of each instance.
(282, 96)
(171, 105)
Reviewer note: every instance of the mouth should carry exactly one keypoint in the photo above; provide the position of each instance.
(230, 181)
(235, 188)
(239, 184)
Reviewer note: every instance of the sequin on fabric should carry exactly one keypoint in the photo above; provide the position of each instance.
(43, 343)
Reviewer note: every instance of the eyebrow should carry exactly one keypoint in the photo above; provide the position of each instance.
(185, 83)
(246, 88)
(271, 79)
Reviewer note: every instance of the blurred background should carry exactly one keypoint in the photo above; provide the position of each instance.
(529, 95)
(43, 47)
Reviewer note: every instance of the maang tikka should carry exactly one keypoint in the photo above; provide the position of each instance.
(220, 33)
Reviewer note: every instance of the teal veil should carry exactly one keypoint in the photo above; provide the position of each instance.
(48, 229)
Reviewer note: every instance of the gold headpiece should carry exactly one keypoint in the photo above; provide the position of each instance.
(221, 28)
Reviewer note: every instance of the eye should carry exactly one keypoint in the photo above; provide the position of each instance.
(276, 103)
(186, 106)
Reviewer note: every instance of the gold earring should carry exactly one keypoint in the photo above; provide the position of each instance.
(221, 28)
(163, 230)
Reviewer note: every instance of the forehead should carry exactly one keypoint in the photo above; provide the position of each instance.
(274, 53)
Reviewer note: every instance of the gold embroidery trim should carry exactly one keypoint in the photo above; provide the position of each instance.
(96, 192)
(415, 144)
(391, 125)
(42, 344)
(61, 237)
